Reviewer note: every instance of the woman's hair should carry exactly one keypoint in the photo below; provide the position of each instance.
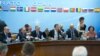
(81, 18)
(90, 28)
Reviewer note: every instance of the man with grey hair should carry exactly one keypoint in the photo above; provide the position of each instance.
(28, 49)
(3, 49)
(80, 51)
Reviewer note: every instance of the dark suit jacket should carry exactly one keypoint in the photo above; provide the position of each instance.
(34, 34)
(21, 36)
(52, 33)
(3, 37)
(2, 25)
(68, 32)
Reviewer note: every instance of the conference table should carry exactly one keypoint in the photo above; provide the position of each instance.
(56, 48)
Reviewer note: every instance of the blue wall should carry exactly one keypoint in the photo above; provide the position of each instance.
(16, 20)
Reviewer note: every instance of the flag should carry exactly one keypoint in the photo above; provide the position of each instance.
(59, 9)
(12, 8)
(53, 9)
(84, 10)
(40, 9)
(72, 9)
(97, 9)
(0, 8)
(47, 9)
(5, 8)
(19, 9)
(27, 9)
(78, 9)
(91, 10)
(65, 9)
(33, 9)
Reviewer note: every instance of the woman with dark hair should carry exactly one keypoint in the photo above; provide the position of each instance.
(81, 26)
(91, 35)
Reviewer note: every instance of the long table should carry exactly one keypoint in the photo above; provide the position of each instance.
(57, 48)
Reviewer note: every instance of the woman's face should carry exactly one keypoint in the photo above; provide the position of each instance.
(91, 29)
(82, 21)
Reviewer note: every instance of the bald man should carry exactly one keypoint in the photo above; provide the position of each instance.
(72, 32)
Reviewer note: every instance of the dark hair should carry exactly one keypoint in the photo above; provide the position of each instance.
(28, 48)
(26, 25)
(56, 25)
(81, 18)
(90, 28)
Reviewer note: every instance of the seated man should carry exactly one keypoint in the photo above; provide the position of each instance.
(37, 34)
(46, 33)
(2, 25)
(56, 33)
(5, 35)
(3, 49)
(22, 35)
(72, 32)
(28, 49)
(80, 51)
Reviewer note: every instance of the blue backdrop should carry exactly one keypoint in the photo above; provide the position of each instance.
(16, 20)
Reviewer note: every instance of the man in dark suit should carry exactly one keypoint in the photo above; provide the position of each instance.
(56, 33)
(72, 32)
(36, 33)
(22, 35)
(2, 25)
(5, 35)
(46, 33)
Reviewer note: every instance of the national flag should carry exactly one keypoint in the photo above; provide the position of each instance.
(5, 8)
(91, 10)
(33, 9)
(97, 9)
(0, 8)
(65, 9)
(27, 9)
(46, 9)
(72, 9)
(19, 9)
(59, 9)
(40, 8)
(53, 9)
(84, 10)
(78, 9)
(12, 8)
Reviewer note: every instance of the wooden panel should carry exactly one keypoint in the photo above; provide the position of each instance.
(57, 48)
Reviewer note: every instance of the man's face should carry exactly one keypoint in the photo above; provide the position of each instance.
(57, 27)
(37, 28)
(23, 30)
(6, 30)
(71, 26)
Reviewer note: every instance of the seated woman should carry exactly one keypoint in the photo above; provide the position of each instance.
(91, 35)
